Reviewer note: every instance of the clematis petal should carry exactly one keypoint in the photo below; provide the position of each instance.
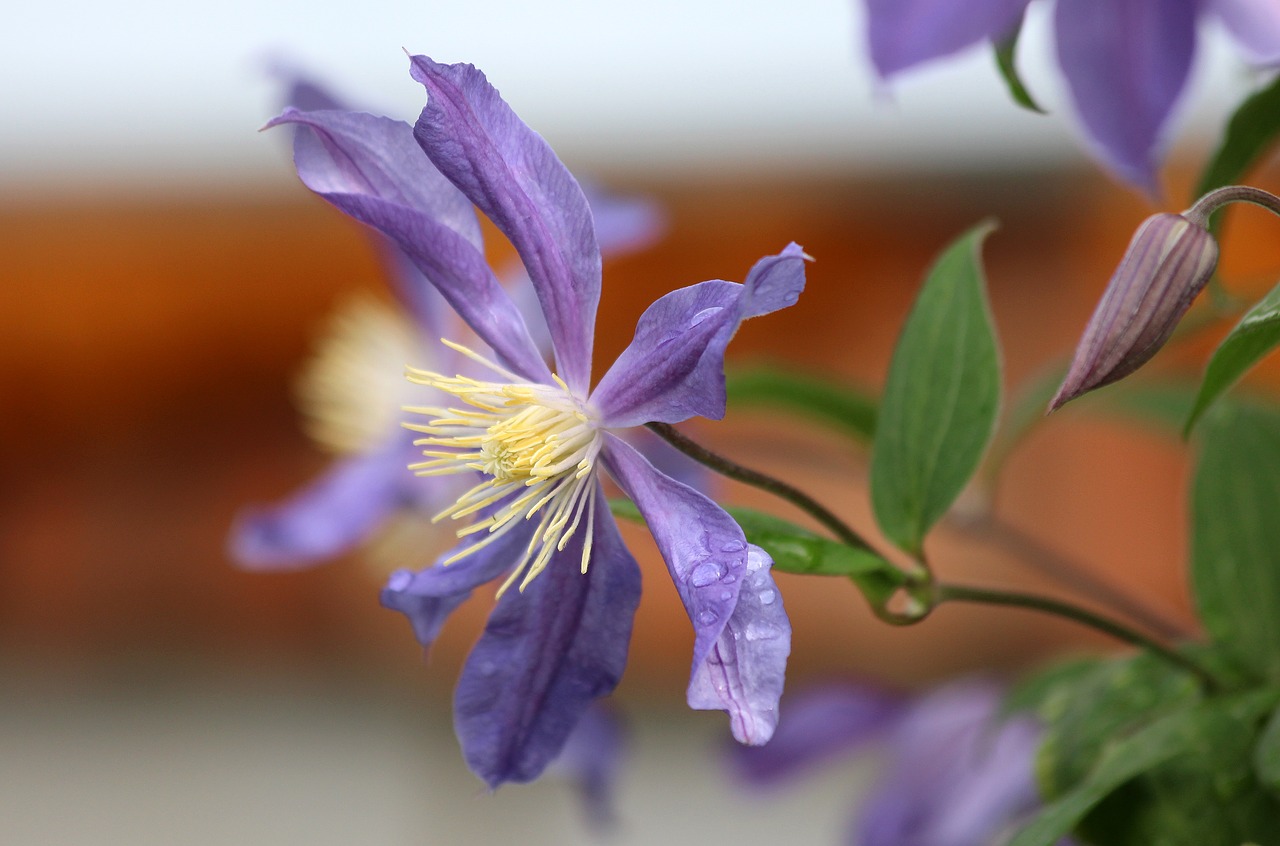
(818, 724)
(904, 33)
(623, 224)
(707, 557)
(371, 168)
(1126, 63)
(957, 777)
(427, 597)
(745, 671)
(1255, 25)
(674, 367)
(511, 174)
(546, 654)
(326, 518)
(591, 759)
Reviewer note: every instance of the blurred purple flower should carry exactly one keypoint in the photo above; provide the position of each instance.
(1125, 61)
(353, 391)
(956, 774)
(535, 442)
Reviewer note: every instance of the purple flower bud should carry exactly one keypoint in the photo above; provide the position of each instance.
(1169, 260)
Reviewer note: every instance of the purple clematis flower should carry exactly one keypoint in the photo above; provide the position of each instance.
(536, 443)
(956, 773)
(353, 391)
(1125, 61)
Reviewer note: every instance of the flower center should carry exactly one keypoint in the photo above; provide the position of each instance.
(536, 446)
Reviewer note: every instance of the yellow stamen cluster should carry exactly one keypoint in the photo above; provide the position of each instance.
(536, 446)
(352, 390)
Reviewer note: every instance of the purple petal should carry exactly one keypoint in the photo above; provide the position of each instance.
(735, 667)
(546, 654)
(371, 168)
(818, 724)
(623, 223)
(1255, 25)
(1126, 63)
(591, 759)
(904, 33)
(958, 778)
(329, 516)
(746, 669)
(429, 596)
(674, 367)
(512, 175)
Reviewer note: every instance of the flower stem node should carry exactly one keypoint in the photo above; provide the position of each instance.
(1169, 261)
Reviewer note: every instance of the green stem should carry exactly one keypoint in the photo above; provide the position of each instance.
(764, 482)
(964, 593)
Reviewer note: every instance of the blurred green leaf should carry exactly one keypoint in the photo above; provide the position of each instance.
(1235, 527)
(1199, 736)
(941, 397)
(1005, 50)
(1253, 337)
(847, 409)
(1250, 133)
(1266, 755)
(795, 549)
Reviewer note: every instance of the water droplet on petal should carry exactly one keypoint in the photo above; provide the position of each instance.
(726, 596)
(703, 315)
(733, 546)
(488, 668)
(706, 573)
(762, 631)
(754, 563)
(399, 580)
(729, 578)
(767, 597)
(707, 617)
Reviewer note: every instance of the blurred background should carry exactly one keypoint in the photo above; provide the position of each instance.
(166, 277)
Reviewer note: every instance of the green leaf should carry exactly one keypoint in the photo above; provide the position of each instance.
(941, 397)
(1198, 731)
(1250, 133)
(1254, 336)
(1235, 526)
(1005, 49)
(846, 409)
(797, 550)
(1266, 755)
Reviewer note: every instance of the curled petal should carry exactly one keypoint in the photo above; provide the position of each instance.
(1125, 64)
(371, 168)
(1167, 264)
(511, 174)
(904, 33)
(745, 671)
(818, 724)
(326, 518)
(674, 367)
(427, 597)
(707, 557)
(1255, 25)
(546, 654)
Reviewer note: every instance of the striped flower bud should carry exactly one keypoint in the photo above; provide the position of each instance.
(1168, 261)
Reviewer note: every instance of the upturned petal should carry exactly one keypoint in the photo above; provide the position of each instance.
(745, 671)
(1168, 262)
(427, 597)
(1255, 25)
(674, 367)
(545, 655)
(817, 725)
(1126, 62)
(372, 169)
(707, 556)
(904, 33)
(512, 175)
(326, 518)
